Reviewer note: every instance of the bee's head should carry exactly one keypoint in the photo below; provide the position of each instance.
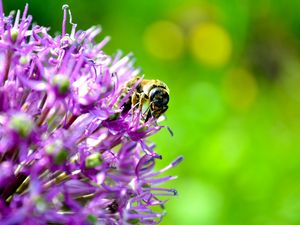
(159, 97)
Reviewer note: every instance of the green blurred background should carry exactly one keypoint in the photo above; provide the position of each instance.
(233, 70)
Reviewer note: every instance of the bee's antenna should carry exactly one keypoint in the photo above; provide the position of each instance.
(169, 129)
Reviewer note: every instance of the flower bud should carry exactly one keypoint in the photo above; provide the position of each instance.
(61, 82)
(22, 124)
(57, 151)
(93, 160)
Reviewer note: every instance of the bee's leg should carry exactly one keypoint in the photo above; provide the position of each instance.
(141, 101)
(140, 104)
(148, 114)
(135, 98)
(135, 101)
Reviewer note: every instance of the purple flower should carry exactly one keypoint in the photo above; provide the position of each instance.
(68, 153)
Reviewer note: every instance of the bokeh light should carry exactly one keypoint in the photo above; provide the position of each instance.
(164, 40)
(210, 44)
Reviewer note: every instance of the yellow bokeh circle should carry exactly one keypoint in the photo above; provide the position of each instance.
(164, 40)
(210, 44)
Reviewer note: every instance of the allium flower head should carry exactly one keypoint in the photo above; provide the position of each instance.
(68, 152)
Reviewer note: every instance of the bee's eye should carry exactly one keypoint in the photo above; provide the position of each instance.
(159, 96)
(165, 97)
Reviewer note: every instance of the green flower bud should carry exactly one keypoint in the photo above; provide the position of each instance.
(61, 156)
(23, 59)
(14, 34)
(62, 82)
(58, 152)
(22, 124)
(93, 160)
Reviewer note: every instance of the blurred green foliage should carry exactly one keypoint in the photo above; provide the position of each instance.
(233, 70)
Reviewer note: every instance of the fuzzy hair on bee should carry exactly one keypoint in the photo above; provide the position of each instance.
(153, 93)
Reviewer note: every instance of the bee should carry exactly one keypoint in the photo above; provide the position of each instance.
(155, 93)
